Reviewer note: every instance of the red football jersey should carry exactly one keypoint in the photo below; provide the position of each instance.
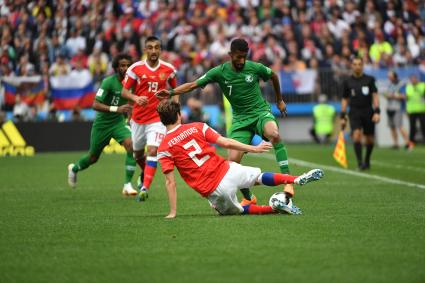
(146, 81)
(188, 148)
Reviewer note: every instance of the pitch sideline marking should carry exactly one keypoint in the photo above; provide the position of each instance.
(345, 171)
(383, 164)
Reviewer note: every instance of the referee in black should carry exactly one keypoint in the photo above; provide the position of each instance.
(361, 95)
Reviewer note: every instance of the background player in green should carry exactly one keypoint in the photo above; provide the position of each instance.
(239, 81)
(109, 123)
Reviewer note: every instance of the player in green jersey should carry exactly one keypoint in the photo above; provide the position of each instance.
(109, 123)
(239, 81)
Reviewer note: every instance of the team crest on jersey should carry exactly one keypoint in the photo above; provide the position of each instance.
(162, 76)
(249, 78)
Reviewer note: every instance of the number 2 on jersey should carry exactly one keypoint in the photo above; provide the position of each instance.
(198, 150)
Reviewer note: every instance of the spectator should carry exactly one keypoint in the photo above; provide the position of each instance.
(415, 107)
(323, 121)
(395, 108)
(379, 48)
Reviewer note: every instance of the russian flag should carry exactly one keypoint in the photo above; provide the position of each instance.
(32, 89)
(73, 90)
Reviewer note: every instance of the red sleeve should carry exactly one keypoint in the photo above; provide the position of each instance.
(210, 134)
(166, 161)
(173, 82)
(129, 80)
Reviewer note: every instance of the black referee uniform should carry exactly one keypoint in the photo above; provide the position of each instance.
(358, 91)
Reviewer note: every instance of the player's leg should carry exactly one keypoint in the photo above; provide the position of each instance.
(122, 134)
(412, 130)
(356, 135)
(138, 139)
(369, 133)
(99, 138)
(224, 199)
(267, 127)
(242, 133)
(154, 135)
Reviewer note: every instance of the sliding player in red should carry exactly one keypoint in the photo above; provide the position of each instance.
(188, 148)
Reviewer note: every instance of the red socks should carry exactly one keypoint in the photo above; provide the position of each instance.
(260, 209)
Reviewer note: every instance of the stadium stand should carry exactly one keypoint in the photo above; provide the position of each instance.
(43, 41)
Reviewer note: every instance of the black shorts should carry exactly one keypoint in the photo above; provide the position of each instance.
(362, 119)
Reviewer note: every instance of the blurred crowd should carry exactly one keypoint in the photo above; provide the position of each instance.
(54, 37)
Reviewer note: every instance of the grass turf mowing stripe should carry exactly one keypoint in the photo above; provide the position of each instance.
(345, 171)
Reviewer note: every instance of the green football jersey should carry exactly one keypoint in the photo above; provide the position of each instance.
(109, 93)
(242, 89)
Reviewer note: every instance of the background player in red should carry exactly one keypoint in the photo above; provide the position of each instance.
(188, 148)
(145, 78)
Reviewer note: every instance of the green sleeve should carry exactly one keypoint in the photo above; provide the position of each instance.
(208, 77)
(103, 91)
(264, 72)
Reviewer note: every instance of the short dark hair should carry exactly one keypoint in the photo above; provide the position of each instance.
(118, 58)
(239, 44)
(356, 57)
(152, 38)
(168, 110)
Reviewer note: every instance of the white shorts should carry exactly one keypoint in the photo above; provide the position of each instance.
(224, 199)
(146, 134)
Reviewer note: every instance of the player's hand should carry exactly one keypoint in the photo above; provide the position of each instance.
(281, 105)
(141, 100)
(126, 108)
(343, 122)
(376, 118)
(162, 94)
(263, 147)
(171, 215)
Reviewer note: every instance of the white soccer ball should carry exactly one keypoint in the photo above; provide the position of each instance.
(280, 202)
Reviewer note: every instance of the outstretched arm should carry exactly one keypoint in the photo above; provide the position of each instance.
(279, 100)
(99, 106)
(170, 184)
(233, 144)
(181, 89)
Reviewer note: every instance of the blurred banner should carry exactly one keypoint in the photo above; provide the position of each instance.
(31, 89)
(73, 90)
(299, 82)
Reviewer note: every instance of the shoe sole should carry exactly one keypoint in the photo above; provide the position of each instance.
(125, 193)
(294, 210)
(312, 175)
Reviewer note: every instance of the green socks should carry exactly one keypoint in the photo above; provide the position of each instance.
(130, 167)
(82, 164)
(281, 157)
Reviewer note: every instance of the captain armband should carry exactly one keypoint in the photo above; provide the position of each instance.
(113, 108)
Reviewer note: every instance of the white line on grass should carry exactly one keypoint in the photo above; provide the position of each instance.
(397, 166)
(344, 171)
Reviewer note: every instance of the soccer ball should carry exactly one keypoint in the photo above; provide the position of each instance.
(280, 202)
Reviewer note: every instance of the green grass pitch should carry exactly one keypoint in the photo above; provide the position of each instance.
(355, 227)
